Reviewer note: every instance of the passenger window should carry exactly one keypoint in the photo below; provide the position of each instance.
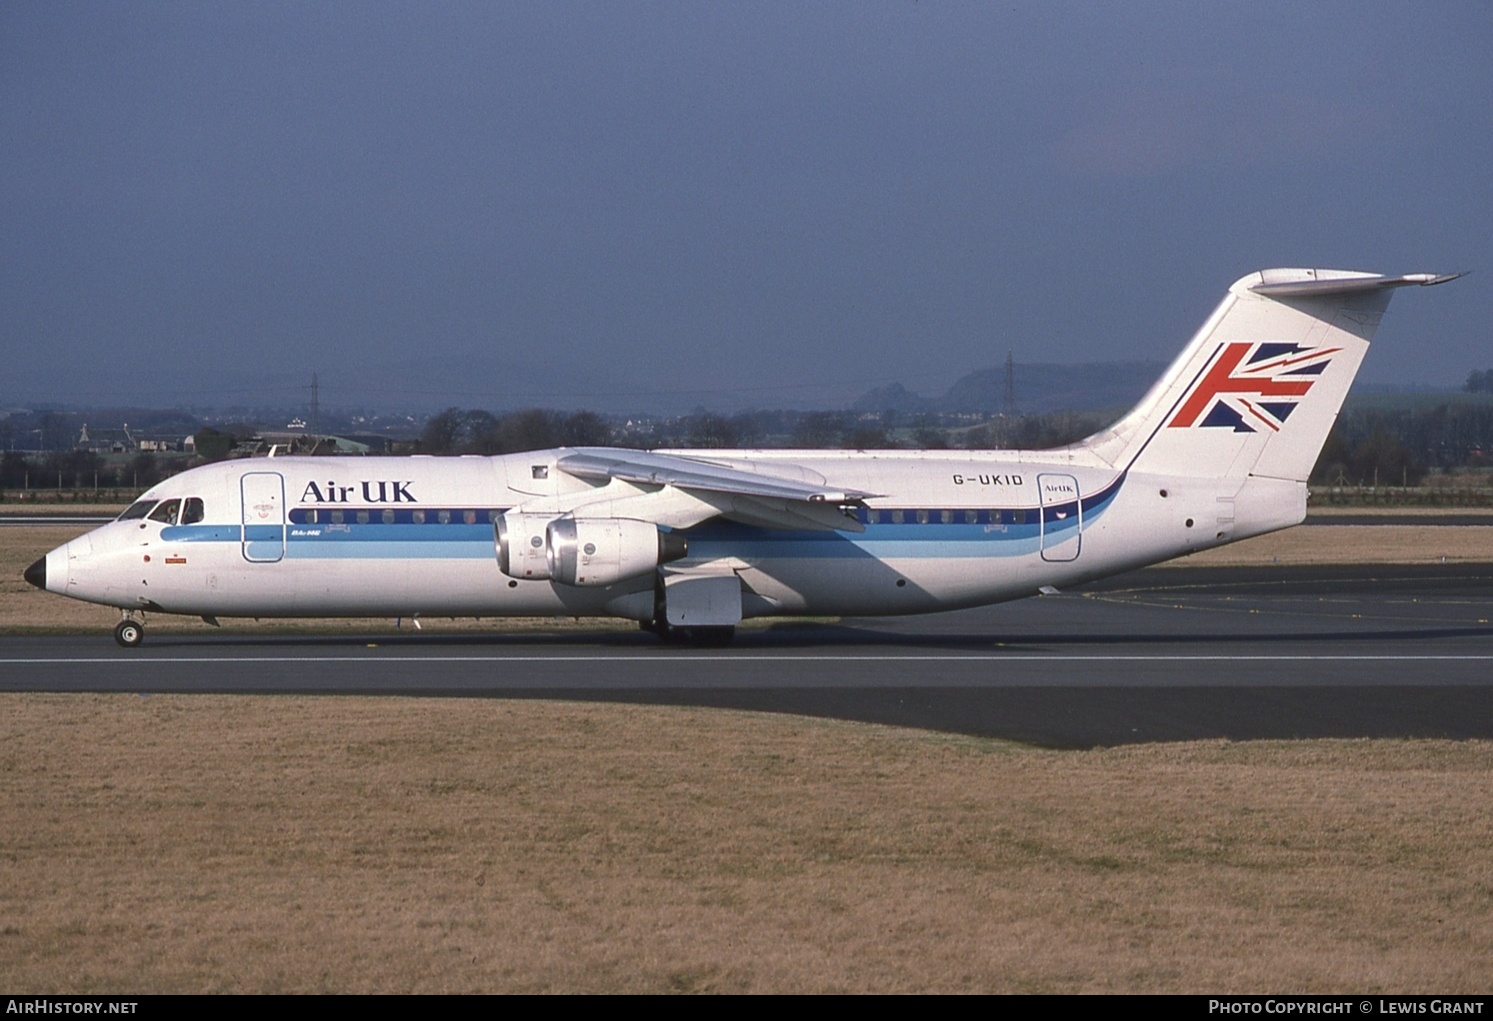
(387, 517)
(191, 511)
(444, 517)
(418, 517)
(947, 517)
(971, 517)
(362, 517)
(311, 516)
(166, 512)
(873, 516)
(136, 510)
(470, 517)
(922, 517)
(1018, 517)
(897, 517)
(336, 517)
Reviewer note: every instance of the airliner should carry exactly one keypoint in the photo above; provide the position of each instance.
(689, 543)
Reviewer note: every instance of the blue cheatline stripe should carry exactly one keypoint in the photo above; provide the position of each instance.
(413, 535)
(264, 552)
(316, 550)
(202, 533)
(722, 539)
(995, 533)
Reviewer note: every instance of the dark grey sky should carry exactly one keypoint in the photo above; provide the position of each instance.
(623, 204)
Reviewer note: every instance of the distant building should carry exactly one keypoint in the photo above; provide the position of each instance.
(122, 441)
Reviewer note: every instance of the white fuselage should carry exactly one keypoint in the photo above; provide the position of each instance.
(1218, 450)
(415, 535)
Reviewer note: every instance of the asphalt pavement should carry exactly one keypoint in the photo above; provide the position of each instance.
(1165, 654)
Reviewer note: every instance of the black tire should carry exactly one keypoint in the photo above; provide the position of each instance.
(710, 637)
(129, 633)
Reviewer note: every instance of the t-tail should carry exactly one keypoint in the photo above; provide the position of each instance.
(1255, 393)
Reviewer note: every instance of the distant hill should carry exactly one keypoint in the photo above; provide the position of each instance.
(894, 397)
(1038, 388)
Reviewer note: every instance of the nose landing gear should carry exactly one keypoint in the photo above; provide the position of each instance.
(129, 632)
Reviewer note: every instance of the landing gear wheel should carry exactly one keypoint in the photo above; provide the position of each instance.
(671, 635)
(129, 633)
(700, 637)
(710, 637)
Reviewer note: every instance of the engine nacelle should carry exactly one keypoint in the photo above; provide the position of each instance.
(524, 546)
(600, 551)
(582, 551)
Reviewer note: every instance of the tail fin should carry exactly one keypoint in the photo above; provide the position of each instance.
(1259, 386)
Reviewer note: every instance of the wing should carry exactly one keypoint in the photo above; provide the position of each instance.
(752, 497)
(601, 463)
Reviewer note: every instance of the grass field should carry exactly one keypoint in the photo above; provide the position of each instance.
(176, 844)
(293, 844)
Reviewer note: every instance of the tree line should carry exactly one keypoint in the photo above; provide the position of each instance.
(471, 431)
(1366, 446)
(1392, 445)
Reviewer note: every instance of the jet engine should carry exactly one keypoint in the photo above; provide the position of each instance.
(523, 545)
(582, 551)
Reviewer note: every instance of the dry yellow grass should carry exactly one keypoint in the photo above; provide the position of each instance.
(1354, 544)
(181, 844)
(173, 844)
(1396, 511)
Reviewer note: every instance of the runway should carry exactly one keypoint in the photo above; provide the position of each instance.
(1158, 655)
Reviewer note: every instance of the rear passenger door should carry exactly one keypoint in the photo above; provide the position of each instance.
(1062, 517)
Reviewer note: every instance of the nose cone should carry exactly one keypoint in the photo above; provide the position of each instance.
(36, 574)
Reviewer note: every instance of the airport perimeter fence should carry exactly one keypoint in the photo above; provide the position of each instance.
(82, 496)
(1463, 489)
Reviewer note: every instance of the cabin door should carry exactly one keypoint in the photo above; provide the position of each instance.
(264, 516)
(1062, 517)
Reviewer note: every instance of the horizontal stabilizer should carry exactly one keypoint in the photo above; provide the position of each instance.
(1273, 287)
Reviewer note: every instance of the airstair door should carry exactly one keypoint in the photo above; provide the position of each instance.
(264, 516)
(1062, 517)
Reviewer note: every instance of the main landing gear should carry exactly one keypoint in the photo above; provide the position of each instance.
(129, 632)
(712, 636)
(707, 637)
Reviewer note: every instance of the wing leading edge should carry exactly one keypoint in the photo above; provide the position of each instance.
(750, 497)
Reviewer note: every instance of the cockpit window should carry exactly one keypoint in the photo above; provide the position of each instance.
(166, 512)
(136, 510)
(191, 510)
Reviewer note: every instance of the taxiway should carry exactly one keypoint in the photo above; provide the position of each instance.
(1159, 655)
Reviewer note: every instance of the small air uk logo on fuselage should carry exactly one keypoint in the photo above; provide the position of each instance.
(1249, 386)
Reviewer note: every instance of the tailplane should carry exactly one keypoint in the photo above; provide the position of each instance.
(1258, 388)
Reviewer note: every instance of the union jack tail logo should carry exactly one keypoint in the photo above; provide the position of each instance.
(1252, 386)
